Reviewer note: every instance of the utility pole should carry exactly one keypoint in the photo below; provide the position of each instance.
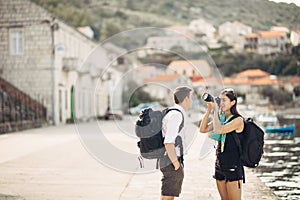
(53, 27)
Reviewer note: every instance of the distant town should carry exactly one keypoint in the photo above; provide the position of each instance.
(53, 73)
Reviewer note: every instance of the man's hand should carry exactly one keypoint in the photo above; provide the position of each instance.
(176, 165)
(170, 148)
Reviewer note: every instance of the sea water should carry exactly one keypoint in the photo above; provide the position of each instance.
(279, 168)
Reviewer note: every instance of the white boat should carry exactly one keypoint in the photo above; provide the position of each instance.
(267, 120)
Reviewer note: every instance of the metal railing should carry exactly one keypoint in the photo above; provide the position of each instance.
(18, 111)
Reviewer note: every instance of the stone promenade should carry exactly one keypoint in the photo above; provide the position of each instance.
(51, 163)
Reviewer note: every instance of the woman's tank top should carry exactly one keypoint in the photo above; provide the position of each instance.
(230, 156)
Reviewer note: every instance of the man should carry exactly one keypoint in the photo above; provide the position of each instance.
(172, 165)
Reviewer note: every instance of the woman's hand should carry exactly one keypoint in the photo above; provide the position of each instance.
(206, 126)
(210, 105)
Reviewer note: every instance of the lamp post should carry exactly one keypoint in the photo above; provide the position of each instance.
(105, 78)
(53, 27)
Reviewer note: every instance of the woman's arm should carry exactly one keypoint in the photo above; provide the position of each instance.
(206, 126)
(235, 125)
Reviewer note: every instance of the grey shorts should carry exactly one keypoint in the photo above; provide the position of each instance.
(171, 181)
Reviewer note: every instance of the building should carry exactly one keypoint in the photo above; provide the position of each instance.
(200, 27)
(178, 30)
(280, 29)
(42, 56)
(87, 31)
(233, 33)
(295, 37)
(267, 42)
(190, 68)
(185, 42)
(292, 85)
(147, 72)
(250, 82)
(162, 86)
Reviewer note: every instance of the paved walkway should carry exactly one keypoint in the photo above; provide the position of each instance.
(51, 163)
(198, 182)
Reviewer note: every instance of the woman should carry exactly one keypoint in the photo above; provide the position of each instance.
(229, 171)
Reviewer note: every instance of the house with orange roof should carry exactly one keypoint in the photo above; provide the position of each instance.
(200, 72)
(165, 78)
(190, 68)
(252, 74)
(162, 86)
(267, 42)
(252, 77)
(142, 73)
(250, 82)
(295, 37)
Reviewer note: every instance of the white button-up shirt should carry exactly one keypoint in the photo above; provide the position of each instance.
(170, 127)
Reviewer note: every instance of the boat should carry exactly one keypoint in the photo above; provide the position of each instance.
(267, 119)
(285, 130)
(290, 120)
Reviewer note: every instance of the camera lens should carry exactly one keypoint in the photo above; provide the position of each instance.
(204, 96)
(207, 97)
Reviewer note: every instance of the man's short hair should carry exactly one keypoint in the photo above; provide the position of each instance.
(180, 93)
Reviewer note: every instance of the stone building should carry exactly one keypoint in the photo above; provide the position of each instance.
(295, 37)
(207, 30)
(44, 57)
(233, 33)
(267, 42)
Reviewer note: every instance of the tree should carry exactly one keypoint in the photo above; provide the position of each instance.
(110, 29)
(135, 95)
(296, 91)
(276, 96)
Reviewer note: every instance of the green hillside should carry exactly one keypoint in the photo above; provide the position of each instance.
(113, 16)
(108, 17)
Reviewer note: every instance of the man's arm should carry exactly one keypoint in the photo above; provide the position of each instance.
(170, 148)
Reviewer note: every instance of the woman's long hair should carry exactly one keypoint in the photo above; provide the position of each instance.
(232, 96)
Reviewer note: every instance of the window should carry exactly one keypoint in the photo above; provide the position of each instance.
(16, 42)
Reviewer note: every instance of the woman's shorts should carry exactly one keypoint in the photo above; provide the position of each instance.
(171, 181)
(232, 173)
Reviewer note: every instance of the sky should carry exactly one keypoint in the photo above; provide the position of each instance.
(297, 2)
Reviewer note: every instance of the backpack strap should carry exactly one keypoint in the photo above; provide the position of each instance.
(182, 123)
(238, 143)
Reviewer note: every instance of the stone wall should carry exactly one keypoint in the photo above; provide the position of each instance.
(31, 71)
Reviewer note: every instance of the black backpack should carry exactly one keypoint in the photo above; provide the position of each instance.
(149, 129)
(251, 145)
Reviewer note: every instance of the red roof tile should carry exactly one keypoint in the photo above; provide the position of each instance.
(163, 78)
(251, 73)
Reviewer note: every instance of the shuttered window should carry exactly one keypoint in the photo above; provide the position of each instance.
(16, 42)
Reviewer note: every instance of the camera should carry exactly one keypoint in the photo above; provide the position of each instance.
(209, 98)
